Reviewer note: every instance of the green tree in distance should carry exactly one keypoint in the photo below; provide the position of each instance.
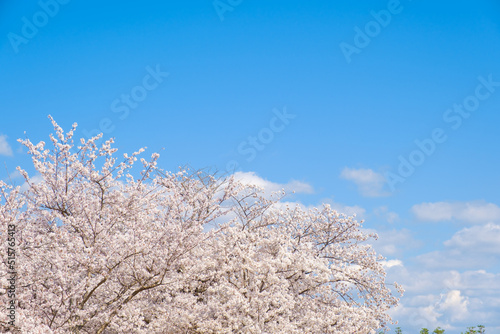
(472, 330)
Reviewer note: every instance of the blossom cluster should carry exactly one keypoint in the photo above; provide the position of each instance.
(102, 249)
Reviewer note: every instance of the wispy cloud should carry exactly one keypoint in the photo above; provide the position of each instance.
(268, 186)
(11, 177)
(394, 242)
(370, 183)
(387, 215)
(349, 210)
(471, 212)
(392, 263)
(34, 180)
(5, 148)
(484, 239)
(473, 248)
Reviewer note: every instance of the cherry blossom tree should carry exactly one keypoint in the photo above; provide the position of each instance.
(102, 248)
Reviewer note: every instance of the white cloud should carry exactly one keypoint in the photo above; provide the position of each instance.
(472, 212)
(346, 209)
(446, 298)
(16, 175)
(391, 263)
(5, 148)
(356, 210)
(268, 186)
(299, 187)
(11, 177)
(393, 242)
(33, 180)
(437, 294)
(455, 305)
(474, 247)
(389, 216)
(370, 183)
(413, 318)
(433, 211)
(484, 239)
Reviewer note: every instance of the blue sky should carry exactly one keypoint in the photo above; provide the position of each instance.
(328, 97)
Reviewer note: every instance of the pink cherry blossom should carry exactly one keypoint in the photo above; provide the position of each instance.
(102, 248)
